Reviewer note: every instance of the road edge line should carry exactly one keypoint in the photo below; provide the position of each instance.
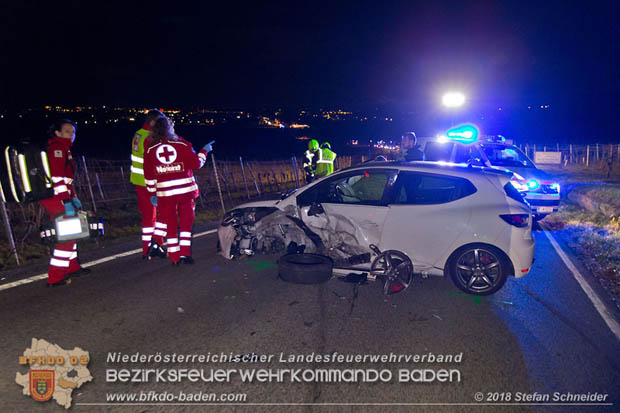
(88, 264)
(592, 295)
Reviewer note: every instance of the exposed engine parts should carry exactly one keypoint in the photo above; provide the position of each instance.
(268, 230)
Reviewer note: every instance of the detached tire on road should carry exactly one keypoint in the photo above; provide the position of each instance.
(305, 268)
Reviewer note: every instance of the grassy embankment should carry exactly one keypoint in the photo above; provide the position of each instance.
(589, 221)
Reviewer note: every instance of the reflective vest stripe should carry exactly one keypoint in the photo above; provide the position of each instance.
(138, 171)
(175, 182)
(135, 158)
(60, 189)
(178, 191)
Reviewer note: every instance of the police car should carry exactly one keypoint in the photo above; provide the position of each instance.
(463, 145)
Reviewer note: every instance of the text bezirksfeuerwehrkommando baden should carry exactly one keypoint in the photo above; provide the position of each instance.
(333, 357)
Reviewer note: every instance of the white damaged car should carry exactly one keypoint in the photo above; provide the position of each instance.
(426, 218)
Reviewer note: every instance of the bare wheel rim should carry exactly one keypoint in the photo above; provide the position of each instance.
(395, 270)
(478, 270)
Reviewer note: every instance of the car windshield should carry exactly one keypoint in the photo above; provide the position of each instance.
(506, 156)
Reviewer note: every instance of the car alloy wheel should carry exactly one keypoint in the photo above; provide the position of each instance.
(394, 269)
(478, 269)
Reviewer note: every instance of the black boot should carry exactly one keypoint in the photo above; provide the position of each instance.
(57, 284)
(155, 250)
(82, 272)
(186, 260)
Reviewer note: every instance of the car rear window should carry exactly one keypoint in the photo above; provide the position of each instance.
(417, 188)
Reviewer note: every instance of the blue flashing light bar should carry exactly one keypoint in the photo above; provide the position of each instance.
(463, 133)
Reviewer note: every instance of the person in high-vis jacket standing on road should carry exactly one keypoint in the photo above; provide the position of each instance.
(310, 157)
(168, 166)
(153, 231)
(64, 263)
(325, 161)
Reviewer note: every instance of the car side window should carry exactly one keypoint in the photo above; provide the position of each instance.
(415, 188)
(366, 187)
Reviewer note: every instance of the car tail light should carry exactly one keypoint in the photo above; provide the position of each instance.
(518, 220)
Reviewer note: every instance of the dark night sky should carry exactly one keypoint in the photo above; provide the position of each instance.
(404, 55)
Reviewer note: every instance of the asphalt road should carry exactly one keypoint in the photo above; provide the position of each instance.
(538, 334)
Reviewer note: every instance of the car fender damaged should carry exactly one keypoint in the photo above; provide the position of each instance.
(249, 231)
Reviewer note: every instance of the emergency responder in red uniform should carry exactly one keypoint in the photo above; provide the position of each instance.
(64, 262)
(168, 166)
(153, 231)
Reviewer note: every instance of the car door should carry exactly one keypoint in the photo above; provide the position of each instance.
(427, 214)
(348, 209)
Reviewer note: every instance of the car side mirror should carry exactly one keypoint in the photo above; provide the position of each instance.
(315, 209)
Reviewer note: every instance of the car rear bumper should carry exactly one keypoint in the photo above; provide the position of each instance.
(521, 253)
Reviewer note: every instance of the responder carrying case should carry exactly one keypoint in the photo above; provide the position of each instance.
(25, 173)
(81, 226)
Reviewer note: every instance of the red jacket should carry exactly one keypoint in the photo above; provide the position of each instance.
(62, 166)
(168, 168)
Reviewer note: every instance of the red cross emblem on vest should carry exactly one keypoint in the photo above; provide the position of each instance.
(166, 154)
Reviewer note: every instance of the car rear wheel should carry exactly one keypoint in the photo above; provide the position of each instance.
(479, 269)
(305, 268)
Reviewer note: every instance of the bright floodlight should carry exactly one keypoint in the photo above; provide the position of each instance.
(453, 99)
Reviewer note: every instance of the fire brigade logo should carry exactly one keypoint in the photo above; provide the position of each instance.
(166, 154)
(41, 384)
(53, 372)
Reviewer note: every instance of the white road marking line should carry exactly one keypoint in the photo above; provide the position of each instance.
(598, 303)
(88, 264)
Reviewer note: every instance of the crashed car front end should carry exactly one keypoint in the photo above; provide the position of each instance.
(251, 230)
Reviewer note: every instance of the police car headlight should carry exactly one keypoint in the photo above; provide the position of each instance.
(533, 184)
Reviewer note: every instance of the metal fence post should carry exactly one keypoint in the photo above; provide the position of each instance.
(245, 181)
(90, 188)
(9, 232)
(123, 178)
(217, 181)
(99, 186)
(295, 171)
(253, 178)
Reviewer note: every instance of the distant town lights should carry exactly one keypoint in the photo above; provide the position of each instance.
(453, 99)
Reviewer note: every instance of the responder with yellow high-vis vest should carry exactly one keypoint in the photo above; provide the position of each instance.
(310, 158)
(325, 161)
(153, 232)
